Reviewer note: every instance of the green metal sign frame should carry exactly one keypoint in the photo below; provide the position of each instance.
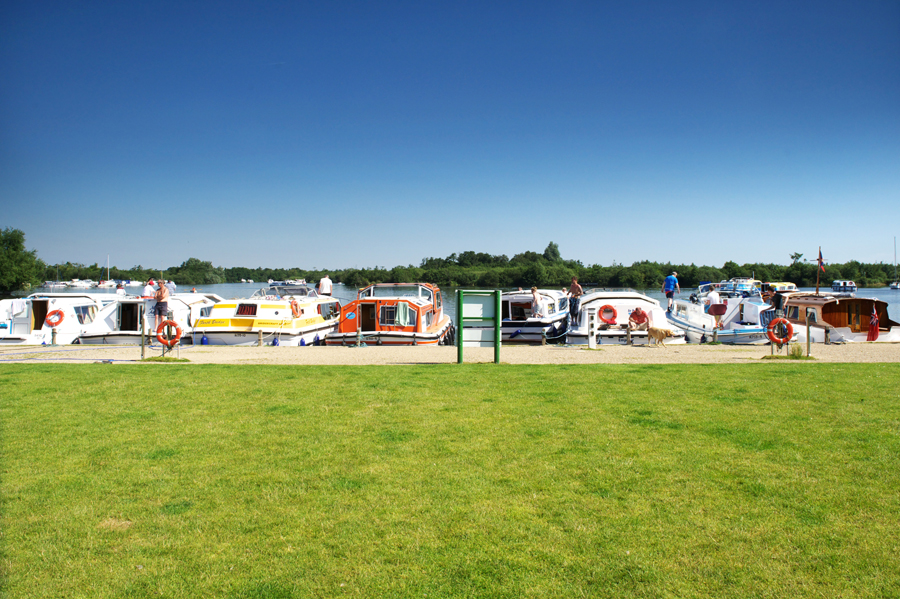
(462, 320)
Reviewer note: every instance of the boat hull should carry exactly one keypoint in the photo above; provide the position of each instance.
(282, 337)
(535, 330)
(400, 338)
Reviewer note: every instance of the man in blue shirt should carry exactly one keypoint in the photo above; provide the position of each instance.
(669, 287)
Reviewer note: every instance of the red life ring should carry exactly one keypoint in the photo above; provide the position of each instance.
(295, 309)
(789, 329)
(161, 329)
(55, 318)
(607, 308)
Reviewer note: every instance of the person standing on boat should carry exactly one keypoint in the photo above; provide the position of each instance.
(575, 293)
(148, 289)
(669, 287)
(535, 304)
(712, 298)
(325, 285)
(639, 320)
(120, 289)
(170, 285)
(162, 303)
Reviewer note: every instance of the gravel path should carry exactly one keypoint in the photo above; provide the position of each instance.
(512, 354)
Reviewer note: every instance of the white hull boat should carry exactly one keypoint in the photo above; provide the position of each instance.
(120, 322)
(32, 320)
(291, 316)
(521, 325)
(745, 321)
(611, 310)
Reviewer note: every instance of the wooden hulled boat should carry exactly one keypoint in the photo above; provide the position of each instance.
(394, 314)
(845, 317)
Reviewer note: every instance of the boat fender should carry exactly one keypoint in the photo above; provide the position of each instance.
(316, 341)
(785, 326)
(204, 340)
(55, 318)
(276, 343)
(302, 342)
(295, 309)
(603, 310)
(160, 333)
(516, 334)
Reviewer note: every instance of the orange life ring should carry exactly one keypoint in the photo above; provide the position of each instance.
(770, 332)
(52, 320)
(295, 309)
(161, 329)
(609, 308)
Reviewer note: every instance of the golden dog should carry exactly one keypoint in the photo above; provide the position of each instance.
(659, 335)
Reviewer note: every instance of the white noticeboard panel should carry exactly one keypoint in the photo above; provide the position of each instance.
(479, 306)
(478, 337)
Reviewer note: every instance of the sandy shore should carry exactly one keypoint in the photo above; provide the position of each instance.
(512, 354)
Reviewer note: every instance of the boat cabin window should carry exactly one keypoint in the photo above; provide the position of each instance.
(388, 315)
(437, 301)
(429, 318)
(85, 314)
(204, 312)
(793, 312)
(329, 310)
(246, 310)
(519, 311)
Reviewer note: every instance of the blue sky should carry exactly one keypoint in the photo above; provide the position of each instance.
(343, 134)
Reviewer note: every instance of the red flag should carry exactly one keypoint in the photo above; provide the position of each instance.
(873, 325)
(821, 263)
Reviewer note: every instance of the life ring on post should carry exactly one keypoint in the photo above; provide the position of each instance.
(55, 318)
(607, 308)
(295, 309)
(162, 329)
(788, 329)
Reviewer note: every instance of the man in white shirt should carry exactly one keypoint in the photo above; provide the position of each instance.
(170, 285)
(149, 289)
(120, 289)
(712, 297)
(325, 285)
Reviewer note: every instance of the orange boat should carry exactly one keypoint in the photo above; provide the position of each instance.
(394, 314)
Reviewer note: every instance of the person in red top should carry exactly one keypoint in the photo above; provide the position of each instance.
(639, 320)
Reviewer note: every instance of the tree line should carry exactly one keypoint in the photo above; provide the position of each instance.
(22, 269)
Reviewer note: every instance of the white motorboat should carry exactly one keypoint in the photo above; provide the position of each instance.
(122, 321)
(745, 320)
(844, 286)
(32, 320)
(521, 324)
(611, 309)
(284, 315)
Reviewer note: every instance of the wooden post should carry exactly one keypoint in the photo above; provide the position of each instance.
(260, 342)
(53, 336)
(808, 339)
(629, 340)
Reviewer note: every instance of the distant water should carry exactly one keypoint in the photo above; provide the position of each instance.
(345, 294)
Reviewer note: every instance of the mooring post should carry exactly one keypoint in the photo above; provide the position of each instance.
(629, 340)
(53, 336)
(807, 332)
(260, 339)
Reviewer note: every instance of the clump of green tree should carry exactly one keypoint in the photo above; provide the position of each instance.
(19, 268)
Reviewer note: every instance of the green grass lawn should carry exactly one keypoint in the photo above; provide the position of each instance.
(762, 480)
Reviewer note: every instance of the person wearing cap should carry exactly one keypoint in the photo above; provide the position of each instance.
(120, 289)
(669, 287)
(148, 289)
